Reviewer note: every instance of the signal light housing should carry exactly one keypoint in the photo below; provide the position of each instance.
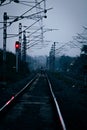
(17, 45)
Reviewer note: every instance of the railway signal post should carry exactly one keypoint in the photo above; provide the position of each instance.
(17, 47)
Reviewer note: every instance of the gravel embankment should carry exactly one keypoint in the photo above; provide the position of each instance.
(73, 103)
(7, 91)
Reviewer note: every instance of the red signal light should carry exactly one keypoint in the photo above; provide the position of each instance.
(17, 45)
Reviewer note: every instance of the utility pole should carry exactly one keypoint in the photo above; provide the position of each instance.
(20, 39)
(52, 58)
(4, 45)
(24, 47)
(4, 36)
(47, 63)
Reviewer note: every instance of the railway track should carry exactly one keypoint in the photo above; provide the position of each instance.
(34, 107)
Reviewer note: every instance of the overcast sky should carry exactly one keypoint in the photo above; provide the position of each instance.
(67, 15)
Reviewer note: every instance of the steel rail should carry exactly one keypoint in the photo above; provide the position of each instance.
(57, 106)
(12, 99)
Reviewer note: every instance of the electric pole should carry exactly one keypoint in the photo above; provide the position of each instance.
(4, 45)
(52, 58)
(24, 47)
(20, 39)
(4, 36)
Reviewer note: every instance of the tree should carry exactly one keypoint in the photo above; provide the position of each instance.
(2, 1)
(84, 49)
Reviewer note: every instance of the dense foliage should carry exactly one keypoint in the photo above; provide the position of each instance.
(10, 68)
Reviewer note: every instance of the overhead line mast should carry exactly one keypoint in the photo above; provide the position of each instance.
(20, 39)
(4, 45)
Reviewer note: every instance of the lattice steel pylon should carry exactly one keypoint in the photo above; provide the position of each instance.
(35, 32)
(20, 40)
(24, 47)
(52, 58)
(38, 9)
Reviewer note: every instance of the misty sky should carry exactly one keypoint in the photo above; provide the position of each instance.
(67, 15)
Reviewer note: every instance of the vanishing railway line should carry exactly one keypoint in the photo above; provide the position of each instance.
(34, 107)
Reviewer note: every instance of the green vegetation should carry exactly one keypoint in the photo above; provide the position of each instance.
(62, 76)
(73, 70)
(9, 72)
